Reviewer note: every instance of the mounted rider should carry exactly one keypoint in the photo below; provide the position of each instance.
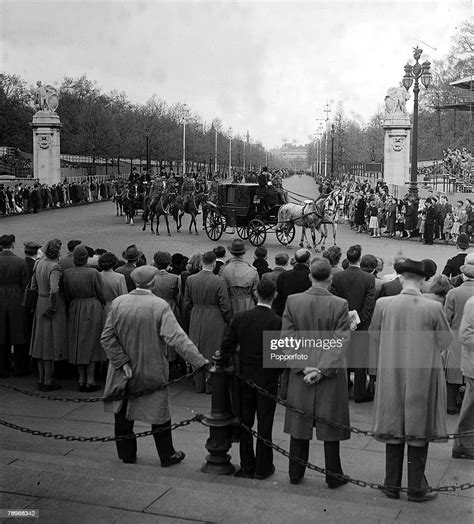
(172, 183)
(157, 188)
(187, 189)
(201, 184)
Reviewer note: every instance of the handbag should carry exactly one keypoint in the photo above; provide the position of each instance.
(30, 296)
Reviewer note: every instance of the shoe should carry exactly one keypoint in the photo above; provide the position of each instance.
(89, 388)
(390, 493)
(462, 455)
(131, 460)
(336, 483)
(51, 387)
(265, 475)
(368, 398)
(81, 387)
(243, 474)
(423, 498)
(175, 458)
(295, 481)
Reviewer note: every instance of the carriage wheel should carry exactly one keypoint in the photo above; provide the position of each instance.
(257, 232)
(214, 225)
(289, 230)
(242, 232)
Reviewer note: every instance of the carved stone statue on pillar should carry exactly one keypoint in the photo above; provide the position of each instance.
(46, 135)
(397, 139)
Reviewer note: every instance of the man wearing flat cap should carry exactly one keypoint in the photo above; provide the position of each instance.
(138, 329)
(13, 331)
(408, 333)
(241, 278)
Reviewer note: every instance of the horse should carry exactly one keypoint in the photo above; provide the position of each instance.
(179, 208)
(131, 201)
(157, 208)
(118, 199)
(309, 214)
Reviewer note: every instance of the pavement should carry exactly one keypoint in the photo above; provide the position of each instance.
(86, 482)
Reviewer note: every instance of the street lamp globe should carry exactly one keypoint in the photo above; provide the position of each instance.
(426, 76)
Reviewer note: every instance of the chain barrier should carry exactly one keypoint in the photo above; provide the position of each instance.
(357, 431)
(347, 478)
(73, 438)
(101, 399)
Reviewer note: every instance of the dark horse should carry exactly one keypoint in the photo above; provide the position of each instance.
(179, 208)
(156, 209)
(131, 201)
(118, 198)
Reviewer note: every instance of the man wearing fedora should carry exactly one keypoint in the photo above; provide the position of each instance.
(241, 278)
(136, 335)
(131, 255)
(408, 333)
(454, 306)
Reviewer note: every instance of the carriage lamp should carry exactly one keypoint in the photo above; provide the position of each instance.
(414, 74)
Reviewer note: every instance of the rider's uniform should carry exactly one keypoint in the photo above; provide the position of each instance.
(201, 185)
(187, 189)
(157, 188)
(172, 184)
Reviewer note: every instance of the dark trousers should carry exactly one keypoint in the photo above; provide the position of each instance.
(253, 403)
(429, 233)
(394, 454)
(452, 397)
(300, 448)
(127, 449)
(21, 359)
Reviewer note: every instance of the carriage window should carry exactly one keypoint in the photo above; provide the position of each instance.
(231, 195)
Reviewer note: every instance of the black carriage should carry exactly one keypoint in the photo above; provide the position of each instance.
(250, 210)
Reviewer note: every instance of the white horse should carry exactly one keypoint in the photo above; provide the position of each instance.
(331, 209)
(309, 214)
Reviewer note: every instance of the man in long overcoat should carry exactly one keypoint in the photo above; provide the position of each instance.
(320, 389)
(453, 308)
(138, 328)
(13, 329)
(206, 311)
(408, 333)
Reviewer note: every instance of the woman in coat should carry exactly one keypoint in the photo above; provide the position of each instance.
(359, 216)
(86, 298)
(114, 283)
(49, 332)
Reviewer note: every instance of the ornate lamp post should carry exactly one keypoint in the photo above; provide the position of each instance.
(147, 137)
(229, 134)
(327, 110)
(415, 72)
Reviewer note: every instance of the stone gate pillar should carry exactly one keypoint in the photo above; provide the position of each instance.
(46, 147)
(397, 149)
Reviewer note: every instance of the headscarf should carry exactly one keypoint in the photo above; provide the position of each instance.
(80, 256)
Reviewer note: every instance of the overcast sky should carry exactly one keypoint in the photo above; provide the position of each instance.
(269, 67)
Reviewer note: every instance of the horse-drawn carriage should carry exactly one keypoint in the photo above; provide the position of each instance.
(249, 209)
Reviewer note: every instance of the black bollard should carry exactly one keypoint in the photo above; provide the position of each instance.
(220, 422)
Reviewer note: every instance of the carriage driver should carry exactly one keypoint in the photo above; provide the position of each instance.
(214, 190)
(201, 184)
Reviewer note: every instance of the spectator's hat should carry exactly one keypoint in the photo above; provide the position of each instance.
(131, 253)
(143, 275)
(237, 247)
(162, 257)
(413, 266)
(462, 241)
(177, 259)
(468, 268)
(430, 267)
(32, 246)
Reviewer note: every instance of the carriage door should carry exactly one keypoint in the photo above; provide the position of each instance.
(231, 218)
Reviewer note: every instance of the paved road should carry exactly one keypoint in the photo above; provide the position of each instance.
(97, 226)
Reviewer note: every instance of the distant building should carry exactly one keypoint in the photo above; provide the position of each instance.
(295, 157)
